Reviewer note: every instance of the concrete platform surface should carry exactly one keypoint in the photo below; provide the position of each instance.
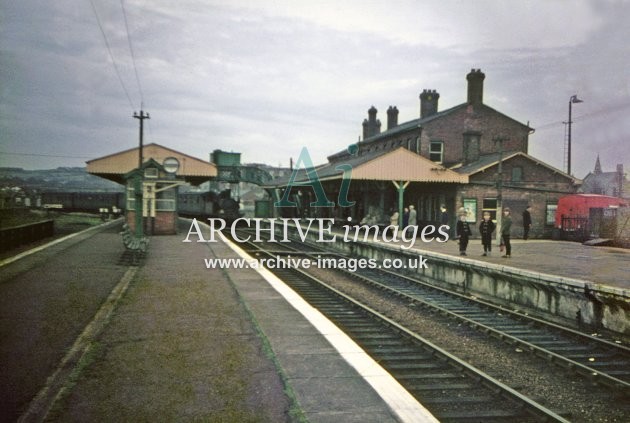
(601, 265)
(183, 342)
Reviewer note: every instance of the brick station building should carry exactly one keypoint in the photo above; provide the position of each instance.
(471, 139)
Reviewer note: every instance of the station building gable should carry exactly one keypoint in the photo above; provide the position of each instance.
(526, 181)
(115, 166)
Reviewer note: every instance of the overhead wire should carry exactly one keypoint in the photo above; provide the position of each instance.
(610, 109)
(133, 57)
(98, 20)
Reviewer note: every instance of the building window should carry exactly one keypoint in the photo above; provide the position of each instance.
(150, 172)
(517, 174)
(490, 205)
(471, 147)
(550, 214)
(470, 205)
(412, 145)
(131, 199)
(436, 153)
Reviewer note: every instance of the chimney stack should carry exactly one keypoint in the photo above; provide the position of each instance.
(392, 117)
(371, 125)
(475, 86)
(428, 103)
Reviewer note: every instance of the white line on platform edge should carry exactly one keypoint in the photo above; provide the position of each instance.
(400, 401)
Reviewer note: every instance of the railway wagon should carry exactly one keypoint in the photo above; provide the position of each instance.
(583, 216)
(91, 202)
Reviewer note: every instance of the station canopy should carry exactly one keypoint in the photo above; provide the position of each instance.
(397, 165)
(115, 166)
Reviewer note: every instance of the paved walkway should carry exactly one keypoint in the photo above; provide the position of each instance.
(183, 342)
(602, 265)
(46, 299)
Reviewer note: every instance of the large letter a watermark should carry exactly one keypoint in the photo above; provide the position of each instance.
(313, 181)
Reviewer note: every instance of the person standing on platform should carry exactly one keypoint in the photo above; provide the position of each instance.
(486, 227)
(463, 232)
(444, 217)
(506, 227)
(527, 221)
(405, 218)
(393, 221)
(413, 216)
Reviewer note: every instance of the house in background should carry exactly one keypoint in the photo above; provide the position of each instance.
(613, 184)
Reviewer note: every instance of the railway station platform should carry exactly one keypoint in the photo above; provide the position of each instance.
(601, 265)
(85, 336)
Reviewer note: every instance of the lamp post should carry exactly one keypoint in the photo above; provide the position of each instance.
(572, 100)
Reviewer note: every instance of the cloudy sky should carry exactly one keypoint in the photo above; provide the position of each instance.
(265, 78)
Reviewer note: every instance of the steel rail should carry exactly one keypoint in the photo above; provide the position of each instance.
(593, 374)
(535, 410)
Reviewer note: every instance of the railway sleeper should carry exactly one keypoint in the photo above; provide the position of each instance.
(444, 398)
(486, 416)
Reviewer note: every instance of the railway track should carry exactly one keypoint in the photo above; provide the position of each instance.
(451, 389)
(599, 360)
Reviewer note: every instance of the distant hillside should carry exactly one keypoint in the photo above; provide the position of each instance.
(74, 179)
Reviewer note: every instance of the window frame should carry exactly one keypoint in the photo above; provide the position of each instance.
(520, 175)
(432, 151)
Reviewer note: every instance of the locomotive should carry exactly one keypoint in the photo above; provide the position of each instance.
(208, 204)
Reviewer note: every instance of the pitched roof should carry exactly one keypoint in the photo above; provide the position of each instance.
(115, 166)
(394, 165)
(490, 160)
(414, 124)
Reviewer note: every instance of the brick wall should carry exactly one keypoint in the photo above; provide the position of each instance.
(165, 223)
(483, 119)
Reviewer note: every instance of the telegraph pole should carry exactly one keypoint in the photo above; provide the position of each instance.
(499, 140)
(142, 116)
(138, 185)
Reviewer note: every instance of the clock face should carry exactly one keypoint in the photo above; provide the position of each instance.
(171, 164)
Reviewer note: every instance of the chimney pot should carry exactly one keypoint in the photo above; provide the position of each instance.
(392, 117)
(371, 126)
(475, 86)
(428, 103)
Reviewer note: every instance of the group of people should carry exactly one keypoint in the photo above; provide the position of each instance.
(463, 231)
(487, 227)
(410, 217)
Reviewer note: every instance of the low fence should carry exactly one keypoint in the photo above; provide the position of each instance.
(23, 234)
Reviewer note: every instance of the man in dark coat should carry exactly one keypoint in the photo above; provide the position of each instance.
(486, 227)
(444, 218)
(506, 227)
(463, 232)
(527, 221)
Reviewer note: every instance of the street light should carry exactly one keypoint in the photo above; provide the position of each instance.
(572, 100)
